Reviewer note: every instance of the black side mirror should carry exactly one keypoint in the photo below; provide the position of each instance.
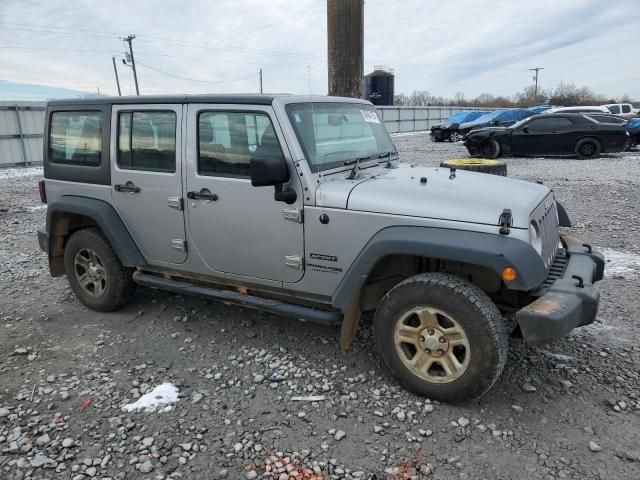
(267, 171)
(525, 129)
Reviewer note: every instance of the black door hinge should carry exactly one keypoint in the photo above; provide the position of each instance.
(505, 221)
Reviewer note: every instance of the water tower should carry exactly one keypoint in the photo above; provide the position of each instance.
(379, 85)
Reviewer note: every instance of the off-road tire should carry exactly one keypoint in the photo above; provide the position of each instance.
(494, 167)
(119, 285)
(484, 326)
(588, 148)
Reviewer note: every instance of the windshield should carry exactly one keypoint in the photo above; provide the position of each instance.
(521, 122)
(334, 133)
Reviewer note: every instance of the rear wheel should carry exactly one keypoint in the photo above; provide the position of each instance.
(441, 337)
(95, 273)
(588, 148)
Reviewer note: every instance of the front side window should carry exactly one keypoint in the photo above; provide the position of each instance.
(563, 122)
(542, 124)
(615, 109)
(75, 138)
(334, 133)
(147, 141)
(228, 140)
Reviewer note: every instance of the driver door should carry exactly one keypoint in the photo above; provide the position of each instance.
(236, 228)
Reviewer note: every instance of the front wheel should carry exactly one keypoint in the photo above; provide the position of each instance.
(489, 149)
(441, 337)
(455, 137)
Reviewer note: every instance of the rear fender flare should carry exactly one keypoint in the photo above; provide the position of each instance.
(105, 217)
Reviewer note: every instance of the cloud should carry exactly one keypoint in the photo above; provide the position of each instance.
(443, 47)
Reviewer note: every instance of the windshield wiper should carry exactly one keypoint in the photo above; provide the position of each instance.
(356, 162)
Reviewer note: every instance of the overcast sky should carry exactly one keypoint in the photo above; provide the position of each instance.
(441, 46)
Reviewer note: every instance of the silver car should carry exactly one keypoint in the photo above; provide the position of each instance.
(299, 205)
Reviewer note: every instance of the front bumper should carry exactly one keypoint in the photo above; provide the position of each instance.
(568, 301)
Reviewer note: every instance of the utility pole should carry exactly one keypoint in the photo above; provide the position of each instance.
(536, 69)
(129, 39)
(260, 80)
(115, 70)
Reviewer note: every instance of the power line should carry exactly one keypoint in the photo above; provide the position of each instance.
(194, 79)
(155, 39)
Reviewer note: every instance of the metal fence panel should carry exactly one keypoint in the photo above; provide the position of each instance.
(21, 132)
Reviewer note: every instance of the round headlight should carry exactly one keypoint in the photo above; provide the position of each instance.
(534, 237)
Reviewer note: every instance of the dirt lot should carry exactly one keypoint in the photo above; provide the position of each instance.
(570, 410)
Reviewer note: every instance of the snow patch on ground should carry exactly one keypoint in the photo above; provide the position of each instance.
(20, 172)
(621, 264)
(37, 208)
(160, 398)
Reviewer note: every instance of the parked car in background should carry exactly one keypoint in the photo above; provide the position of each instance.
(499, 118)
(583, 109)
(539, 108)
(620, 108)
(549, 134)
(608, 118)
(449, 129)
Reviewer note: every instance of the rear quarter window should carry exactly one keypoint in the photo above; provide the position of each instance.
(75, 138)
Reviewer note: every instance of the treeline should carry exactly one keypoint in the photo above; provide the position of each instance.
(565, 94)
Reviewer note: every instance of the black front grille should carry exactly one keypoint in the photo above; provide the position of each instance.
(556, 271)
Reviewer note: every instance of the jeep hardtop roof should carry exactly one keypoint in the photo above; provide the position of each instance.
(232, 98)
(244, 99)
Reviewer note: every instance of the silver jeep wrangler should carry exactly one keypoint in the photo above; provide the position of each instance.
(298, 205)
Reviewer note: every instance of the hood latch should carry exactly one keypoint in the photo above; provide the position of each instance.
(505, 221)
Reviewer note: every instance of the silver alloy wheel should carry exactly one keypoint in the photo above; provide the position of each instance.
(455, 137)
(432, 344)
(89, 272)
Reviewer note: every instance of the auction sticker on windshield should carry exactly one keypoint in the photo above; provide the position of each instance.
(370, 116)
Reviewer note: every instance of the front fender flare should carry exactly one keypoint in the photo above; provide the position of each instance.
(492, 251)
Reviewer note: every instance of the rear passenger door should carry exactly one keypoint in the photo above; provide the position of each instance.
(146, 178)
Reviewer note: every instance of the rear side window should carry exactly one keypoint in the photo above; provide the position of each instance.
(75, 138)
(626, 108)
(147, 141)
(228, 140)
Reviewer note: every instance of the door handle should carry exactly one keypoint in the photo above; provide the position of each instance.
(128, 187)
(203, 194)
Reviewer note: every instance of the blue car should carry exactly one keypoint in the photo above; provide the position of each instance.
(633, 129)
(449, 129)
(498, 118)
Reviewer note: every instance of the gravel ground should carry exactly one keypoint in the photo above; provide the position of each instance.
(252, 395)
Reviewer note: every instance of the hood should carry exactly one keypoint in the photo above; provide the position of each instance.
(490, 129)
(470, 197)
